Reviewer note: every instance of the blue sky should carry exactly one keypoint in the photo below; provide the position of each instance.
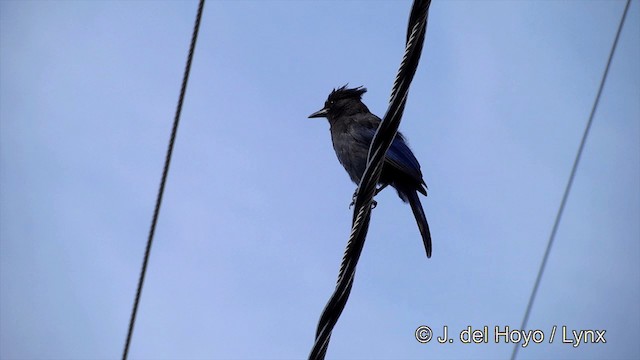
(255, 214)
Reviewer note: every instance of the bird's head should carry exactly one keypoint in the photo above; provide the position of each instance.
(341, 102)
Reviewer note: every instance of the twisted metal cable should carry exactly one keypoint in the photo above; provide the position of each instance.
(163, 181)
(366, 189)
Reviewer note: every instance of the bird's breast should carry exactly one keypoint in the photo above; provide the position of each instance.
(351, 154)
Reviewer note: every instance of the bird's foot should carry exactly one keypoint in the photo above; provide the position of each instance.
(353, 199)
(373, 203)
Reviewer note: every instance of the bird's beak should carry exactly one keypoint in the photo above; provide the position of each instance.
(319, 113)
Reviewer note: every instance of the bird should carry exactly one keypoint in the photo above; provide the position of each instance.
(352, 128)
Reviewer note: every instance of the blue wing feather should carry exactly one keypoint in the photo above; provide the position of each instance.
(398, 156)
(401, 157)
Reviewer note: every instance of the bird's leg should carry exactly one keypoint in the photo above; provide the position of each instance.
(380, 189)
(375, 203)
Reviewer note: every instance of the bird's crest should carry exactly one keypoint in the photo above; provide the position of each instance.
(344, 93)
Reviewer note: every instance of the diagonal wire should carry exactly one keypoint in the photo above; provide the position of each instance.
(567, 189)
(366, 189)
(163, 181)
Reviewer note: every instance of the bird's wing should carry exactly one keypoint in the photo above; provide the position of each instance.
(398, 156)
(401, 157)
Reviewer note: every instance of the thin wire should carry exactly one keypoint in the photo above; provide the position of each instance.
(570, 182)
(163, 181)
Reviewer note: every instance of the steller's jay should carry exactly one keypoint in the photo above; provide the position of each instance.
(352, 128)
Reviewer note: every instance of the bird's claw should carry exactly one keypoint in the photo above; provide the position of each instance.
(353, 199)
(373, 203)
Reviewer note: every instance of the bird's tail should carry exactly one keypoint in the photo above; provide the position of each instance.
(421, 219)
